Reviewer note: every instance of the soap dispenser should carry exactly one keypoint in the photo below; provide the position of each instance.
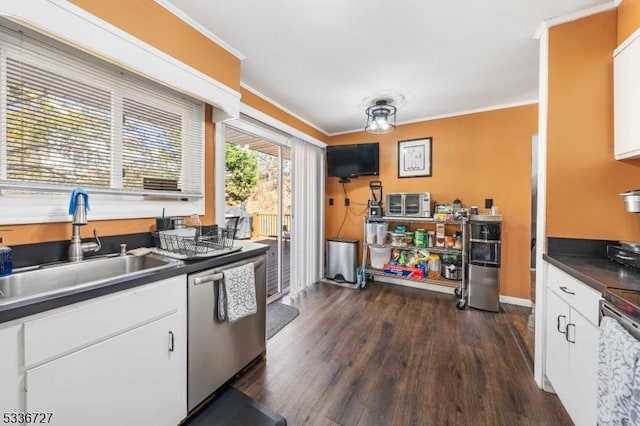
(6, 260)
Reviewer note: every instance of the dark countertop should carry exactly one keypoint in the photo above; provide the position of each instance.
(599, 273)
(11, 311)
(587, 261)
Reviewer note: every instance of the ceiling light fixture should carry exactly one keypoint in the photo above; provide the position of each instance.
(381, 118)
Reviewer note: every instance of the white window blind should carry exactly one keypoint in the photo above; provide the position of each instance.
(69, 120)
(58, 129)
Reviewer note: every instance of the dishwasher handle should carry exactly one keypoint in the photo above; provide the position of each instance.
(208, 278)
(217, 276)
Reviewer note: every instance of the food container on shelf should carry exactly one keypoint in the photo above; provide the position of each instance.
(382, 229)
(398, 239)
(379, 255)
(449, 241)
(408, 238)
(448, 259)
(434, 266)
(451, 272)
(431, 238)
(458, 241)
(372, 229)
(419, 238)
(440, 240)
(461, 214)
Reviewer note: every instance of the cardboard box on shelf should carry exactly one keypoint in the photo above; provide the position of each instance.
(403, 271)
(440, 237)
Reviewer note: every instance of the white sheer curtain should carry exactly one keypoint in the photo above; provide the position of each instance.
(307, 228)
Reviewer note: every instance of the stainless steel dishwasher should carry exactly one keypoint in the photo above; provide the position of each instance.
(216, 349)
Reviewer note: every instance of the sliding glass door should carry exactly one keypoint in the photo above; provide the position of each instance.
(258, 195)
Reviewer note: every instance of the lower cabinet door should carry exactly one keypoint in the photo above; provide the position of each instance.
(557, 349)
(135, 378)
(583, 369)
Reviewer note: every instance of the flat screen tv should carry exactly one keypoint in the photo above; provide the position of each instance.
(347, 161)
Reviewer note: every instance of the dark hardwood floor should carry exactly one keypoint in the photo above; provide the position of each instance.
(392, 355)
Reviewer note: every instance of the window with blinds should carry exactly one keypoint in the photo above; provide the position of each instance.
(59, 130)
(70, 120)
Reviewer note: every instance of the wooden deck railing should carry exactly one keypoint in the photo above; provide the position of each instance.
(266, 225)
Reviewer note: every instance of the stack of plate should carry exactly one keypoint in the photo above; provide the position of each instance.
(626, 253)
(633, 246)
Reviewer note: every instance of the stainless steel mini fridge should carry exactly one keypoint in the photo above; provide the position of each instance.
(485, 247)
(341, 260)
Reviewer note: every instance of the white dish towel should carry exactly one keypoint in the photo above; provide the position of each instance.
(237, 293)
(618, 375)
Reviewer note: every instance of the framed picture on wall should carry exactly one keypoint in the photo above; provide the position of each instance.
(414, 158)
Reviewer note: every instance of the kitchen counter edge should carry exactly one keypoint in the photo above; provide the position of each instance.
(596, 272)
(13, 312)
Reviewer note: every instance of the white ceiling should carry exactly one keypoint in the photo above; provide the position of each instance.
(321, 59)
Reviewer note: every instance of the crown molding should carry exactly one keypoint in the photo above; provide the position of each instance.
(453, 114)
(277, 105)
(279, 125)
(200, 28)
(627, 42)
(558, 20)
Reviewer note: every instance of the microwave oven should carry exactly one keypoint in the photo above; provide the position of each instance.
(409, 204)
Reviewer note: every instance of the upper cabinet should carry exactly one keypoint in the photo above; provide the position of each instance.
(626, 98)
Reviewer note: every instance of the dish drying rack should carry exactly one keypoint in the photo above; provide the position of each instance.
(186, 243)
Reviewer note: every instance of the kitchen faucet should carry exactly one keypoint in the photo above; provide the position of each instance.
(77, 248)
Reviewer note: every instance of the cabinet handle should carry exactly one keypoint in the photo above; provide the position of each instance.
(558, 325)
(566, 336)
(566, 290)
(171, 341)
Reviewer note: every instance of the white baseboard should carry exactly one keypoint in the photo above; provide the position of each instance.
(516, 301)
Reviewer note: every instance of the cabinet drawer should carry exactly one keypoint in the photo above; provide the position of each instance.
(577, 294)
(89, 322)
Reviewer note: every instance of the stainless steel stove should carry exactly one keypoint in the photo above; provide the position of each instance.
(623, 303)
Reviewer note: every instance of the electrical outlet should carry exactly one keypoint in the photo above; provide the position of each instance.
(330, 201)
(488, 203)
(346, 201)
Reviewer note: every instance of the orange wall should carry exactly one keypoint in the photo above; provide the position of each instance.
(475, 156)
(152, 23)
(584, 180)
(628, 19)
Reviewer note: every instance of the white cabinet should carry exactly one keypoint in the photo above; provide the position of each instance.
(11, 379)
(130, 379)
(557, 355)
(572, 344)
(626, 99)
(116, 359)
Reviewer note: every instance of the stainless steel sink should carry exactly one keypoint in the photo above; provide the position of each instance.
(70, 277)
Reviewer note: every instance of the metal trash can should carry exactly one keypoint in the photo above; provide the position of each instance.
(341, 260)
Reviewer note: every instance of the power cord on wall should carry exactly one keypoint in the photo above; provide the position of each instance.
(349, 209)
(346, 210)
